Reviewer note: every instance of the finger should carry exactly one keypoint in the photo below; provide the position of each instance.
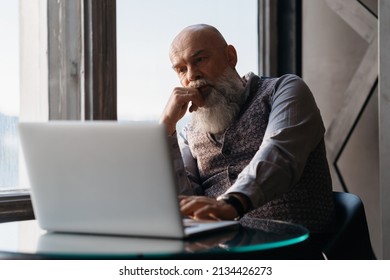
(188, 206)
(205, 208)
(192, 95)
(193, 108)
(175, 108)
(197, 99)
(208, 212)
(184, 199)
(218, 210)
(192, 203)
(181, 97)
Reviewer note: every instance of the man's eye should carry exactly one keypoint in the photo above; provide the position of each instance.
(181, 70)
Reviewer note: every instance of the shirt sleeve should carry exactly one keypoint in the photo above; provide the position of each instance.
(294, 129)
(185, 166)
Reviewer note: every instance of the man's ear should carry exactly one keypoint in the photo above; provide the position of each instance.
(232, 56)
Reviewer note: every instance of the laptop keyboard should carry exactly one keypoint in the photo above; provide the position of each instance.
(188, 222)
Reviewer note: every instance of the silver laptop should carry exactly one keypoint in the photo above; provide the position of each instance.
(105, 178)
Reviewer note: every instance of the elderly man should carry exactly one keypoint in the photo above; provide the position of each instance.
(254, 146)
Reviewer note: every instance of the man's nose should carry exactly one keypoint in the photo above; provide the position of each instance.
(193, 74)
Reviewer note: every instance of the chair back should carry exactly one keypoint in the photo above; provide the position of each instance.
(351, 241)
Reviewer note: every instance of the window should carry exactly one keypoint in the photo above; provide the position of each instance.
(145, 30)
(9, 95)
(76, 34)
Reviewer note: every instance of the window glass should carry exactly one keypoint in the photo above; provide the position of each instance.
(9, 94)
(145, 30)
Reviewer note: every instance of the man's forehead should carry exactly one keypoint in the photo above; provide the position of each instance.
(189, 43)
(178, 57)
(195, 40)
(187, 50)
(190, 50)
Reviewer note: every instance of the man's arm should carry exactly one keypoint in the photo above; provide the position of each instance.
(175, 109)
(199, 206)
(184, 184)
(189, 164)
(294, 130)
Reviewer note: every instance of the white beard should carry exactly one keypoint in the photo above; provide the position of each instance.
(222, 104)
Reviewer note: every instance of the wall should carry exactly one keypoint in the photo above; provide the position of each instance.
(384, 122)
(332, 55)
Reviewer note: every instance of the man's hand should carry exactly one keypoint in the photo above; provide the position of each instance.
(177, 106)
(206, 208)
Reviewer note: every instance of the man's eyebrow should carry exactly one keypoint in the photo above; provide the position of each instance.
(175, 66)
(194, 54)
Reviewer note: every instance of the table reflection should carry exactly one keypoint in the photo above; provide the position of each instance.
(252, 235)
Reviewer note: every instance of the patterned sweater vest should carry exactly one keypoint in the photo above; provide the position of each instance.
(309, 202)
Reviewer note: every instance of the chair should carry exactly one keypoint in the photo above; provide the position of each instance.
(351, 241)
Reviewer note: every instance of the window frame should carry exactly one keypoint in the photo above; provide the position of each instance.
(280, 37)
(78, 56)
(16, 207)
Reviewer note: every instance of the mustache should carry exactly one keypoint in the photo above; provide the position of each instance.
(200, 83)
(204, 82)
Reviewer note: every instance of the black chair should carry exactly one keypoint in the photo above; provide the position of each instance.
(351, 241)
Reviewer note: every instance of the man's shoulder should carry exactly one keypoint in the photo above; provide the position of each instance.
(287, 81)
(253, 78)
(277, 86)
(283, 78)
(290, 79)
(263, 85)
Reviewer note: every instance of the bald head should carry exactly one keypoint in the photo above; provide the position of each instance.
(206, 34)
(200, 51)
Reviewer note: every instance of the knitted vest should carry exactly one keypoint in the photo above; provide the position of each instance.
(309, 202)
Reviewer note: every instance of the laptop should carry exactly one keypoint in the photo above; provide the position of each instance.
(105, 177)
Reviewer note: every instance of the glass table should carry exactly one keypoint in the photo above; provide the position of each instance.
(254, 238)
